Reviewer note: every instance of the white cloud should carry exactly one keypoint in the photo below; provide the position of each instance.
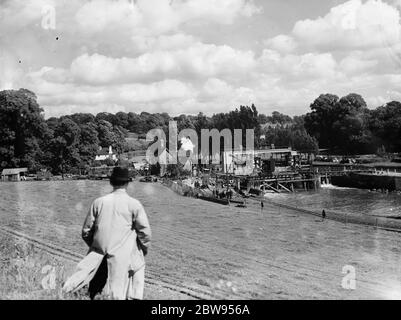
(199, 60)
(214, 88)
(354, 24)
(164, 90)
(150, 17)
(10, 71)
(357, 63)
(304, 67)
(176, 56)
(396, 3)
(121, 94)
(282, 43)
(376, 100)
(19, 14)
(96, 16)
(175, 41)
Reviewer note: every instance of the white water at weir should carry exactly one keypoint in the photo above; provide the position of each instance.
(333, 187)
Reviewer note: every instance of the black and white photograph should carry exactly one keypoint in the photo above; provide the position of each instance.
(200, 150)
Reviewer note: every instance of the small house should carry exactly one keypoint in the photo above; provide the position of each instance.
(13, 174)
(105, 153)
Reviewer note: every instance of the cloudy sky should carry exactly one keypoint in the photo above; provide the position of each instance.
(186, 56)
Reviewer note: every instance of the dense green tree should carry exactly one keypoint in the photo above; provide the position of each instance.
(82, 118)
(122, 119)
(71, 142)
(243, 118)
(319, 123)
(340, 124)
(135, 123)
(52, 123)
(65, 146)
(106, 135)
(184, 122)
(88, 144)
(113, 136)
(201, 122)
(107, 116)
(290, 136)
(280, 118)
(385, 123)
(120, 144)
(22, 128)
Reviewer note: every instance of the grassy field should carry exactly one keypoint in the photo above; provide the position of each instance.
(208, 249)
(21, 266)
(26, 274)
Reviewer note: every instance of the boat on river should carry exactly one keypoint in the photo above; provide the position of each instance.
(214, 199)
(148, 179)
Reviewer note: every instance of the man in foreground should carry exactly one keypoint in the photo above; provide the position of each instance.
(117, 230)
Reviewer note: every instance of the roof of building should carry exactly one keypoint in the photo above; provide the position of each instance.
(103, 152)
(132, 135)
(261, 151)
(138, 158)
(276, 150)
(12, 171)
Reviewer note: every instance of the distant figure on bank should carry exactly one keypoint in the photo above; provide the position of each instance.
(262, 204)
(118, 234)
(323, 214)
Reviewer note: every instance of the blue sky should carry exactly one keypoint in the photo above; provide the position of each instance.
(187, 56)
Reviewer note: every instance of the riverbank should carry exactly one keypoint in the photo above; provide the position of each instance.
(184, 189)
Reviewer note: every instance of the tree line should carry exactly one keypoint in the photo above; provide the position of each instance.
(346, 125)
(70, 143)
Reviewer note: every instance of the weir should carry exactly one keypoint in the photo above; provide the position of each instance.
(282, 182)
(358, 176)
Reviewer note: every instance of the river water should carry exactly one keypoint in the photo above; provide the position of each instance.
(238, 252)
(343, 200)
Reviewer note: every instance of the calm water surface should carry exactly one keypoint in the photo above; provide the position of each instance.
(344, 200)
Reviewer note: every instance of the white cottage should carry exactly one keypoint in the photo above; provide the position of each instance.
(105, 153)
